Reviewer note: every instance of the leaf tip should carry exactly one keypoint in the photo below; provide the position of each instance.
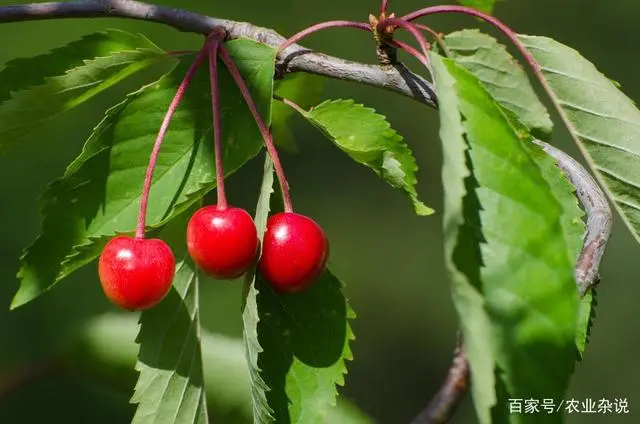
(23, 296)
(422, 209)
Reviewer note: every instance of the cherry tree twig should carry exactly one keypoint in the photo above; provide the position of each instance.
(442, 406)
(395, 78)
(294, 58)
(598, 221)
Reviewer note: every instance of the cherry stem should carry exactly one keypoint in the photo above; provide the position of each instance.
(404, 24)
(425, 28)
(214, 42)
(317, 27)
(266, 134)
(436, 36)
(144, 201)
(383, 7)
(508, 32)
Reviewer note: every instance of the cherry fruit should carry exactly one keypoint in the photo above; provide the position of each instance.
(223, 241)
(295, 251)
(136, 273)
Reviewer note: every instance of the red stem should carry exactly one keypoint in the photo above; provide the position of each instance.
(383, 8)
(266, 134)
(431, 31)
(144, 201)
(317, 27)
(217, 133)
(404, 24)
(508, 32)
(436, 36)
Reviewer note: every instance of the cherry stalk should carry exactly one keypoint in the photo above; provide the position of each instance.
(508, 32)
(213, 43)
(264, 130)
(142, 215)
(437, 36)
(318, 27)
(383, 8)
(222, 240)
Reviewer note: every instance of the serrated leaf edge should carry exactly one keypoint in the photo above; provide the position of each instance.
(394, 137)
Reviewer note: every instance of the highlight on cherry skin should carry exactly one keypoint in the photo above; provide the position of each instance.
(222, 241)
(295, 251)
(136, 273)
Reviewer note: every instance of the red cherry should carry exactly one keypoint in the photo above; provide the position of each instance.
(294, 252)
(223, 242)
(136, 273)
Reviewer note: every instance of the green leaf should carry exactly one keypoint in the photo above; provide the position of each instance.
(296, 344)
(305, 337)
(347, 413)
(99, 195)
(262, 411)
(587, 315)
(527, 265)
(602, 120)
(304, 90)
(369, 139)
(106, 344)
(573, 228)
(460, 201)
(170, 388)
(481, 5)
(508, 84)
(501, 75)
(605, 125)
(38, 88)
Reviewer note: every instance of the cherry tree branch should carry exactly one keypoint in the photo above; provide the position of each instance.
(598, 217)
(443, 405)
(294, 58)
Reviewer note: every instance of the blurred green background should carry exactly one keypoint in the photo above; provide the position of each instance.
(391, 260)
